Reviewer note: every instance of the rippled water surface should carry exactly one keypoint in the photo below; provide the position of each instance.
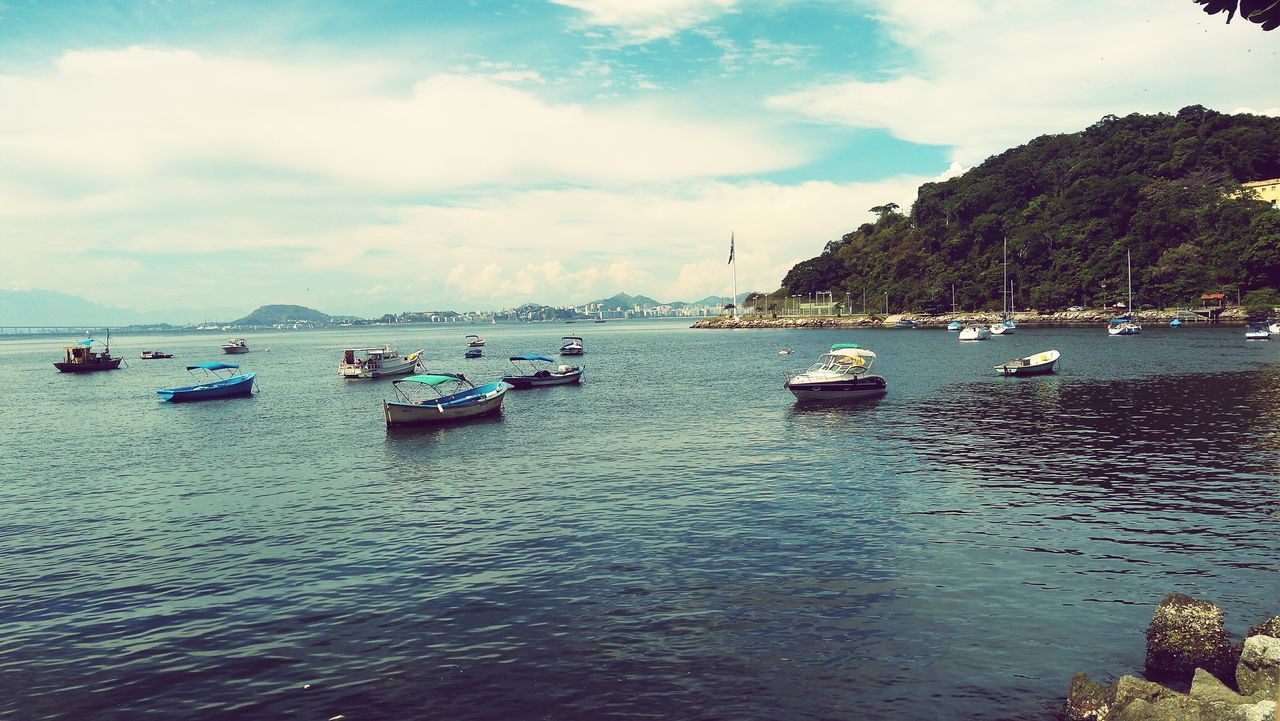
(676, 538)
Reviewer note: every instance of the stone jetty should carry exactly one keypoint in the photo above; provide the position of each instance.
(1087, 317)
(1204, 676)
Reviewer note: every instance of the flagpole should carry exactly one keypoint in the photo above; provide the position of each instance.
(733, 260)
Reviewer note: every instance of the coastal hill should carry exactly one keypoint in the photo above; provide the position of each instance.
(624, 301)
(272, 314)
(1165, 187)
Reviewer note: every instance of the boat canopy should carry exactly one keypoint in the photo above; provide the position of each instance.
(571, 337)
(212, 366)
(473, 335)
(532, 358)
(432, 379)
(844, 346)
(852, 353)
(86, 343)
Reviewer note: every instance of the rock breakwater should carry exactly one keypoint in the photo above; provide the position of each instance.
(1087, 317)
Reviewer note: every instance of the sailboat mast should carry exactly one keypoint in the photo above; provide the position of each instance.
(1128, 266)
(1004, 287)
(733, 258)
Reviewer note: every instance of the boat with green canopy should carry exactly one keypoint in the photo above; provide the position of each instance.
(434, 398)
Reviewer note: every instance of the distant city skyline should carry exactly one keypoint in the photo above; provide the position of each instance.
(361, 158)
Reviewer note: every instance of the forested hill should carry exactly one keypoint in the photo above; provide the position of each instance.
(1164, 187)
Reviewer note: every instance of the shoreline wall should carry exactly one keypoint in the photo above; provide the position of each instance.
(1155, 317)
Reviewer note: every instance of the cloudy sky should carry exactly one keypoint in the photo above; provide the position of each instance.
(389, 155)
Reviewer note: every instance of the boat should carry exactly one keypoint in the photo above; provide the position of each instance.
(905, 324)
(1273, 326)
(1125, 324)
(213, 384)
(955, 325)
(1257, 331)
(784, 351)
(155, 355)
(376, 362)
(1030, 365)
(454, 398)
(83, 358)
(840, 374)
(235, 346)
(1175, 323)
(533, 371)
(473, 353)
(999, 328)
(475, 341)
(572, 345)
(1005, 325)
(974, 332)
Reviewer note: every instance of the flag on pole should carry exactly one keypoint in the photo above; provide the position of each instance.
(731, 247)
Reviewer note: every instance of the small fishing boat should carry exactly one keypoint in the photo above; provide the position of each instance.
(1257, 331)
(784, 351)
(840, 374)
(475, 341)
(905, 324)
(214, 383)
(1030, 365)
(437, 398)
(974, 332)
(235, 346)
(473, 353)
(955, 325)
(83, 358)
(533, 371)
(572, 345)
(155, 355)
(376, 362)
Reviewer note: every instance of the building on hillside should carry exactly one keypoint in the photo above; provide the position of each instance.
(1267, 190)
(1214, 300)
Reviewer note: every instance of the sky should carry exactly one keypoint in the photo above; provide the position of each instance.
(387, 156)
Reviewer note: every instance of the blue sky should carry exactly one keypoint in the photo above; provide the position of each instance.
(385, 156)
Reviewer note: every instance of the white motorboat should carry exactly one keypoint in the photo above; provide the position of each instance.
(839, 375)
(474, 341)
(376, 362)
(784, 351)
(235, 346)
(1030, 365)
(999, 329)
(1273, 327)
(572, 345)
(1257, 331)
(974, 332)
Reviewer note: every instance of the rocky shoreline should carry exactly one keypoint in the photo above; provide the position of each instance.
(1087, 317)
(1202, 676)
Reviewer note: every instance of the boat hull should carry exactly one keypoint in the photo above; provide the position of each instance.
(570, 351)
(235, 386)
(473, 403)
(235, 349)
(90, 367)
(398, 367)
(838, 390)
(1255, 335)
(971, 334)
(1031, 370)
(537, 381)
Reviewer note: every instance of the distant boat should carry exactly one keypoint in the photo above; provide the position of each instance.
(840, 374)
(376, 362)
(1257, 331)
(533, 371)
(473, 353)
(572, 345)
(1005, 325)
(1175, 323)
(955, 325)
(82, 358)
(235, 346)
(155, 355)
(1125, 325)
(905, 324)
(784, 351)
(1273, 326)
(455, 399)
(974, 332)
(1030, 365)
(221, 386)
(474, 341)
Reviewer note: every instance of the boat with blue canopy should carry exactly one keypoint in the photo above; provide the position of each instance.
(434, 398)
(533, 371)
(218, 380)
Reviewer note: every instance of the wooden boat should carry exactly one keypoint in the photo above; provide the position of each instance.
(974, 332)
(155, 355)
(235, 346)
(534, 371)
(453, 398)
(572, 345)
(474, 341)
(1030, 365)
(82, 358)
(376, 362)
(840, 374)
(213, 384)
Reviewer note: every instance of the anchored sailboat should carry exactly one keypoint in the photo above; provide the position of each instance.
(1125, 324)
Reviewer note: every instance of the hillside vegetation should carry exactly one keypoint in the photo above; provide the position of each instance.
(1070, 206)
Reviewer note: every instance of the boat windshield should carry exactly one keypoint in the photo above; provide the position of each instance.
(842, 364)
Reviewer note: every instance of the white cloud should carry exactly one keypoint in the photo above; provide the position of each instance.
(642, 21)
(990, 75)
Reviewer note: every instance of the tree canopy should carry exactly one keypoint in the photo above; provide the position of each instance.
(1165, 187)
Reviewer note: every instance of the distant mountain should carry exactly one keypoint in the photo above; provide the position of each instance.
(50, 307)
(624, 301)
(272, 314)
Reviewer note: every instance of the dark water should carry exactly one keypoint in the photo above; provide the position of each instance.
(673, 539)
